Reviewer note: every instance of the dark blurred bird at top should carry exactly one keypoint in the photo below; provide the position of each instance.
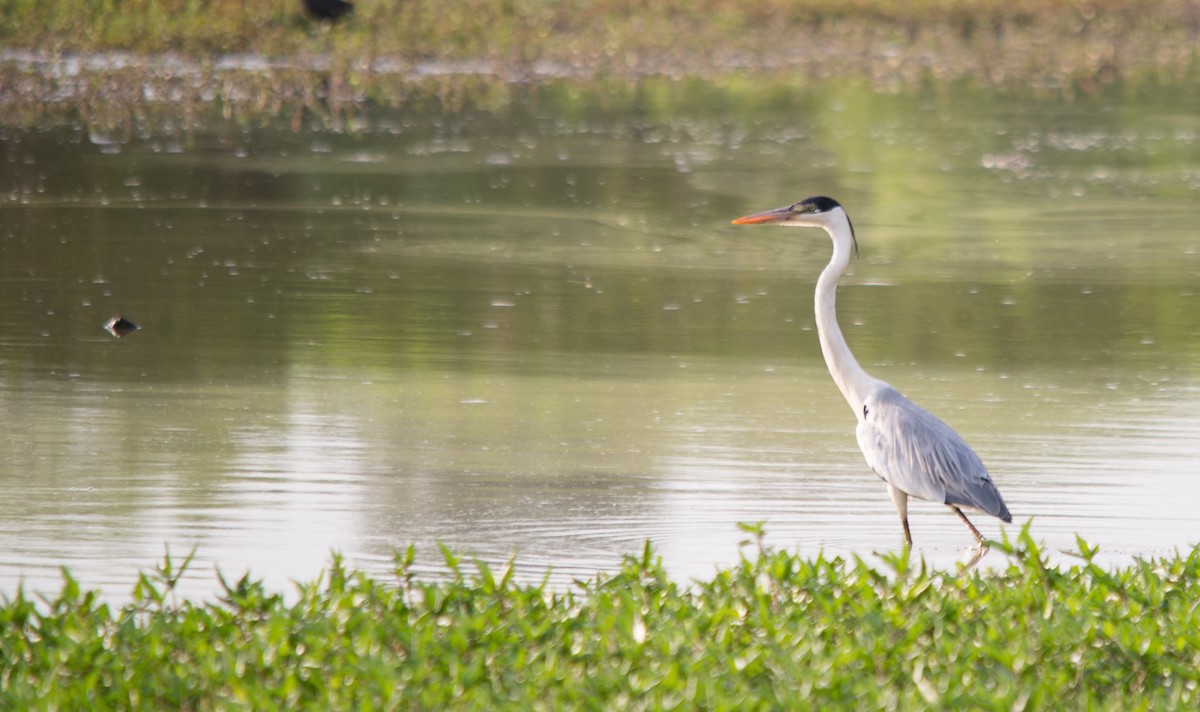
(328, 9)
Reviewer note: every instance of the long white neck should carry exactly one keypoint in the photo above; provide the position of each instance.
(851, 379)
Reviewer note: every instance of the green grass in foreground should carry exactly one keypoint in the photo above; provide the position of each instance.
(774, 632)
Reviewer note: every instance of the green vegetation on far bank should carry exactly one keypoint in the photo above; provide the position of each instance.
(617, 35)
(93, 55)
(775, 632)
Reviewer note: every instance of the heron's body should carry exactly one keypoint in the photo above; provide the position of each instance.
(909, 448)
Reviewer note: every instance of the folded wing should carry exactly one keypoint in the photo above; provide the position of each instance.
(916, 452)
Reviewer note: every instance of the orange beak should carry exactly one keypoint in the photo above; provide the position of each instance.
(776, 215)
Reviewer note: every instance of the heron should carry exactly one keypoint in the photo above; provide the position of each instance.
(908, 447)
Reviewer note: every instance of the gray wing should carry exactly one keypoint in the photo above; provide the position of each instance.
(920, 455)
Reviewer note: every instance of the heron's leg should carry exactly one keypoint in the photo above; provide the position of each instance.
(978, 536)
(900, 499)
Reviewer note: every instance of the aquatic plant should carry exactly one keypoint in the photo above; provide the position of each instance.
(774, 632)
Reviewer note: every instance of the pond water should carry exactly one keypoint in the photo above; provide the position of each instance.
(532, 331)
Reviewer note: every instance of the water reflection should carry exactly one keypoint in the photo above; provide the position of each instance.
(534, 333)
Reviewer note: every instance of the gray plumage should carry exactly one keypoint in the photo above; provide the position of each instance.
(913, 450)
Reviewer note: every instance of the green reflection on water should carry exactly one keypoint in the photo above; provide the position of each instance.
(553, 291)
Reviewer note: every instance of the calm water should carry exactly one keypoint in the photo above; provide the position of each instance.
(532, 330)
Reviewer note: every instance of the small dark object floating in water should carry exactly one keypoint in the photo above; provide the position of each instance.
(328, 9)
(119, 326)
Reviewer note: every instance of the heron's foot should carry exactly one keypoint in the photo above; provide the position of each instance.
(976, 556)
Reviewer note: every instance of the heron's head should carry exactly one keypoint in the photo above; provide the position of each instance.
(818, 211)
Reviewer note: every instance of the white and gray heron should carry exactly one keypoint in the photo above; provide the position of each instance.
(909, 448)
